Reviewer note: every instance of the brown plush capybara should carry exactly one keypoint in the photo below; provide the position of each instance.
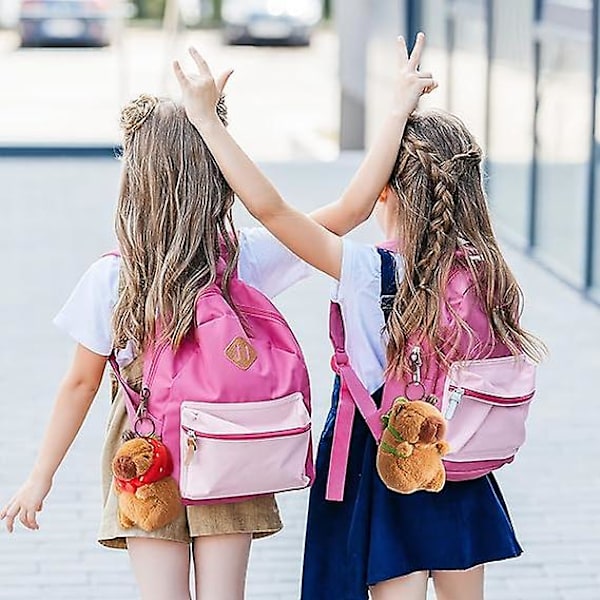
(409, 457)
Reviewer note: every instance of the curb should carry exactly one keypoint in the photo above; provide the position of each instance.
(65, 151)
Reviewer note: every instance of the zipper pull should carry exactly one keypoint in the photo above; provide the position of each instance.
(416, 361)
(143, 405)
(455, 398)
(192, 446)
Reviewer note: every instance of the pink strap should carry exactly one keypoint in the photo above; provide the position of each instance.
(360, 397)
(340, 447)
(353, 394)
(132, 399)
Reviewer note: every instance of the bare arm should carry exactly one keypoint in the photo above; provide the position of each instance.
(306, 238)
(358, 200)
(72, 404)
(303, 236)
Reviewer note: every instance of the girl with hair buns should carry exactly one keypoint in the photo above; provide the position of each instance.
(435, 219)
(173, 216)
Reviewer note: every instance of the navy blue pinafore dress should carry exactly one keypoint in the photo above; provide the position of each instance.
(376, 534)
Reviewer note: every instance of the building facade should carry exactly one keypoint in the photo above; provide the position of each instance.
(523, 75)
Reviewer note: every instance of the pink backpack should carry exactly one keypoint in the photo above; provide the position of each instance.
(232, 404)
(484, 400)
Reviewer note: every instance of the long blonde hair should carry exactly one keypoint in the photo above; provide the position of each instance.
(441, 209)
(173, 214)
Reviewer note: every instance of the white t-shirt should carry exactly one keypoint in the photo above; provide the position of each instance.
(264, 263)
(359, 295)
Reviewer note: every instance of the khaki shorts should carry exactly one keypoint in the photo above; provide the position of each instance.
(258, 516)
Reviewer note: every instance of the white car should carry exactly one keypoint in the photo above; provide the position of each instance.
(270, 21)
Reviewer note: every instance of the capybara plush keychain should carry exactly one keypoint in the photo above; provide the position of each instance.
(409, 456)
(148, 496)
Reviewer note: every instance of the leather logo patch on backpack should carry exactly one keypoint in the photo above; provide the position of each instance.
(241, 353)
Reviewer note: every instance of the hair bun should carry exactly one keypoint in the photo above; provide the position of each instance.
(136, 112)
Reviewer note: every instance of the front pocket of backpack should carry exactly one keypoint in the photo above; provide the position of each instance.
(486, 403)
(487, 429)
(243, 449)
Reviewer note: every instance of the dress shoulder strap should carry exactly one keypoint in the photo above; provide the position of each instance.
(389, 284)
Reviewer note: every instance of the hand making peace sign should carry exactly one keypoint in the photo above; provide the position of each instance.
(411, 83)
(201, 91)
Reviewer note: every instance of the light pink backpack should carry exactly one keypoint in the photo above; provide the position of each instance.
(484, 400)
(232, 404)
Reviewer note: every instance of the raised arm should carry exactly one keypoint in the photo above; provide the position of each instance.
(306, 238)
(357, 202)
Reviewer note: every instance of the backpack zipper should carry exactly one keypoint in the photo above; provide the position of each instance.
(492, 397)
(193, 435)
(257, 312)
(275, 318)
(191, 446)
(457, 393)
(456, 396)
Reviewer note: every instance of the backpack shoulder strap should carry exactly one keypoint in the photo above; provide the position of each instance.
(131, 397)
(353, 394)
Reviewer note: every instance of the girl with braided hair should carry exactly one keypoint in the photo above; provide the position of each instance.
(435, 219)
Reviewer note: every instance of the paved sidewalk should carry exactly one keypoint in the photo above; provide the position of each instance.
(57, 217)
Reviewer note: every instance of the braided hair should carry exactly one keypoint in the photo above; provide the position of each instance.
(442, 209)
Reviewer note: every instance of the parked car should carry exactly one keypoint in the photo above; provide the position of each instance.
(270, 21)
(9, 13)
(66, 22)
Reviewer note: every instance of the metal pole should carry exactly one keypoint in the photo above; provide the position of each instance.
(533, 176)
(413, 20)
(594, 155)
(352, 21)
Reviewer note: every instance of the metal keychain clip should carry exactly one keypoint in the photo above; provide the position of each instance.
(416, 362)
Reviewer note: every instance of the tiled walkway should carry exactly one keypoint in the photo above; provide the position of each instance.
(57, 217)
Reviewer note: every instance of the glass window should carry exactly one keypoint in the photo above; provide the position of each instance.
(435, 25)
(511, 105)
(596, 232)
(596, 225)
(563, 131)
(385, 20)
(468, 66)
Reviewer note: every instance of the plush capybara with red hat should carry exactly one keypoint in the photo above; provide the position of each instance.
(148, 495)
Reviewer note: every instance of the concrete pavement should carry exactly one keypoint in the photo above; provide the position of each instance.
(57, 218)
